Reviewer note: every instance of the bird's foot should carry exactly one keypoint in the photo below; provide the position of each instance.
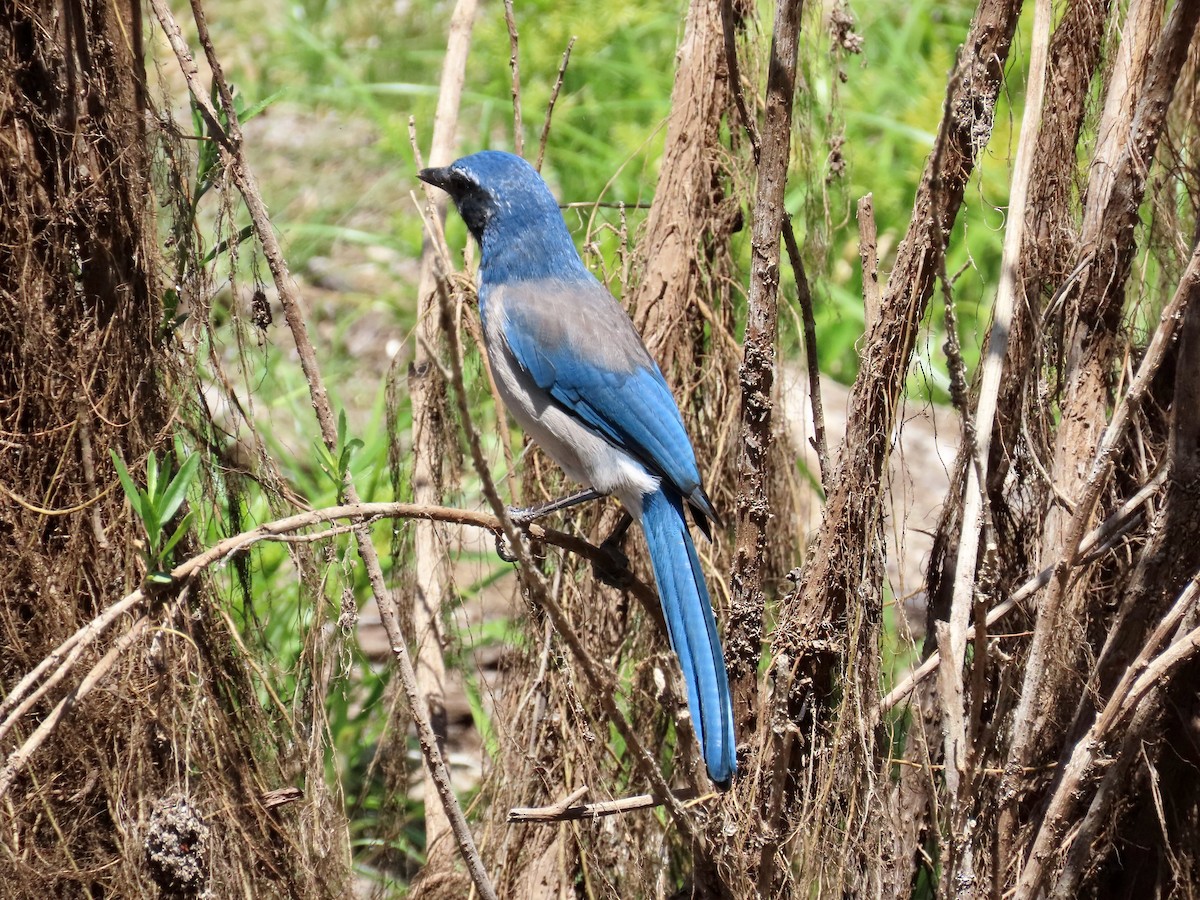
(504, 549)
(524, 515)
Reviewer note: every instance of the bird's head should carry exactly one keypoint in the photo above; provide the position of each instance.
(507, 207)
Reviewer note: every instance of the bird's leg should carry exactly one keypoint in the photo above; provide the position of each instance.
(615, 572)
(522, 516)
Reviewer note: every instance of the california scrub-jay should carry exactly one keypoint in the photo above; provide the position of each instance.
(574, 373)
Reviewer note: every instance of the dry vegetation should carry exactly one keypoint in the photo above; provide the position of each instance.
(1048, 744)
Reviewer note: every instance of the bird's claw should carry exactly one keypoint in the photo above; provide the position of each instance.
(504, 548)
(507, 552)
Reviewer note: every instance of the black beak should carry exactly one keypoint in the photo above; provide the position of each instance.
(439, 178)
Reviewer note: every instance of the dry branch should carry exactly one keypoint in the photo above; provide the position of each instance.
(570, 808)
(954, 649)
(1116, 525)
(756, 426)
(60, 662)
(841, 575)
(1140, 689)
(1090, 352)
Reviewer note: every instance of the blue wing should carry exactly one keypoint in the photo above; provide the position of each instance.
(580, 347)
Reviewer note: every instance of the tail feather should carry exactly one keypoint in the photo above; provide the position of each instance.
(692, 629)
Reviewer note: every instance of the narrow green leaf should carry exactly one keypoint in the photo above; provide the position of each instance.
(176, 491)
(256, 109)
(152, 482)
(131, 489)
(183, 528)
(341, 428)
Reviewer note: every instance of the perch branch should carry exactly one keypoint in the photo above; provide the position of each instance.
(64, 657)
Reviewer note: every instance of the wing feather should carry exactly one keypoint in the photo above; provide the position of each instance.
(578, 345)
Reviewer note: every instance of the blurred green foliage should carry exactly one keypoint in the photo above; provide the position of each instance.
(876, 112)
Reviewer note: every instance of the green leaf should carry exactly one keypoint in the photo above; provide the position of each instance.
(344, 459)
(176, 491)
(243, 234)
(183, 528)
(131, 489)
(152, 482)
(326, 461)
(341, 428)
(250, 112)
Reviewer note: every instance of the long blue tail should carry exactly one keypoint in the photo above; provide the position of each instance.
(692, 629)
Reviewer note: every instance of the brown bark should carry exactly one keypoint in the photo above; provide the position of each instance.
(757, 429)
(688, 194)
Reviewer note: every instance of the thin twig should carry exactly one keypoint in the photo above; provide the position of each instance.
(544, 813)
(733, 68)
(568, 809)
(811, 360)
(62, 659)
(558, 83)
(510, 19)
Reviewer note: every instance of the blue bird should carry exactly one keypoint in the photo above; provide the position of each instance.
(574, 373)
